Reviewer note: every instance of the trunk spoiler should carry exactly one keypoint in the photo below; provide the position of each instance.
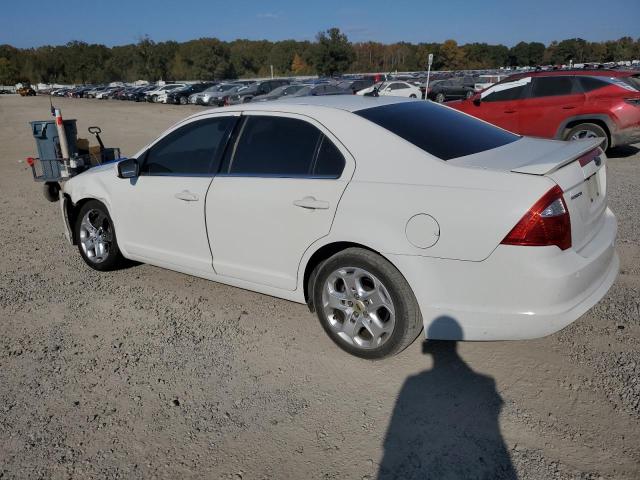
(555, 160)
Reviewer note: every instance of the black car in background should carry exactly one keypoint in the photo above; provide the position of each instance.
(318, 90)
(452, 88)
(355, 86)
(261, 87)
(181, 95)
(137, 95)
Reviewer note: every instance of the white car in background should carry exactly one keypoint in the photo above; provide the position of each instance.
(393, 89)
(155, 94)
(384, 215)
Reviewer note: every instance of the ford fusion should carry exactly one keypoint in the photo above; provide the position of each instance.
(384, 215)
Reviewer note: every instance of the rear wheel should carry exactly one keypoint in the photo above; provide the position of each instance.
(588, 130)
(96, 237)
(469, 94)
(183, 100)
(440, 97)
(412, 95)
(365, 304)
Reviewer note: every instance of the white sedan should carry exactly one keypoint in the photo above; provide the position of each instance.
(384, 215)
(393, 89)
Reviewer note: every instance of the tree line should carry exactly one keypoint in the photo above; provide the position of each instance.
(331, 53)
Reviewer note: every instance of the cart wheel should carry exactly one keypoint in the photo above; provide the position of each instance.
(51, 191)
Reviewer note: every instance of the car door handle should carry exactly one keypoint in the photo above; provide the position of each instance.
(187, 196)
(568, 107)
(509, 111)
(311, 203)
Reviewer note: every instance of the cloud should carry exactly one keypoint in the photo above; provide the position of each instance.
(271, 16)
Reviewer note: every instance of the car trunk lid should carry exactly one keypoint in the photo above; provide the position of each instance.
(578, 167)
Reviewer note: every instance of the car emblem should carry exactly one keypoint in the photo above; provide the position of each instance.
(573, 197)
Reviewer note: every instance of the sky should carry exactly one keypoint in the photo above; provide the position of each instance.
(117, 22)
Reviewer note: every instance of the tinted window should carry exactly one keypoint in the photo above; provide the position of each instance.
(552, 86)
(330, 162)
(504, 92)
(190, 150)
(440, 131)
(275, 146)
(589, 84)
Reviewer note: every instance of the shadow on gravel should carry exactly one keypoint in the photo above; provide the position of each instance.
(623, 152)
(445, 421)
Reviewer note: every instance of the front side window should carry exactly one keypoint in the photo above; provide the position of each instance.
(283, 147)
(512, 90)
(552, 86)
(193, 149)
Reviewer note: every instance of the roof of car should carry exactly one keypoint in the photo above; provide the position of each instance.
(349, 103)
(602, 72)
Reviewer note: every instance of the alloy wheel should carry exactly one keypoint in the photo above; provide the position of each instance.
(96, 236)
(358, 307)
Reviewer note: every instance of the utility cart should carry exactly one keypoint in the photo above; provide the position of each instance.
(51, 166)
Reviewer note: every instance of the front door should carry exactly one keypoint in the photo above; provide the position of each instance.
(277, 193)
(161, 213)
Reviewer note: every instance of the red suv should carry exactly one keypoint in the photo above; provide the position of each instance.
(563, 104)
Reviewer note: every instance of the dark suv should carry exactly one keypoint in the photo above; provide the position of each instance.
(452, 88)
(564, 104)
(261, 87)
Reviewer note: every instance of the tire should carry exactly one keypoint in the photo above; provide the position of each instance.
(469, 94)
(183, 100)
(353, 325)
(96, 237)
(440, 98)
(588, 130)
(412, 96)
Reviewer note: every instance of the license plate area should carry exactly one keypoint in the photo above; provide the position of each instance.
(593, 187)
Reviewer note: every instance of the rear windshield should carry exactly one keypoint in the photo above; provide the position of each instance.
(440, 131)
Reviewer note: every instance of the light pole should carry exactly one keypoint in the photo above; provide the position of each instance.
(426, 89)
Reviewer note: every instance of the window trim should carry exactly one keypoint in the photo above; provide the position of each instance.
(225, 170)
(214, 161)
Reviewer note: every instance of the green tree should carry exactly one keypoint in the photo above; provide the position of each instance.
(334, 53)
(8, 72)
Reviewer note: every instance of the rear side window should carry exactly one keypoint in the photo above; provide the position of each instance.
(552, 86)
(441, 131)
(191, 150)
(589, 84)
(329, 162)
(275, 146)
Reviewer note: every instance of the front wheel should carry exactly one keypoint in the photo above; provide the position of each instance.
(440, 97)
(469, 94)
(96, 237)
(413, 95)
(365, 304)
(588, 130)
(183, 100)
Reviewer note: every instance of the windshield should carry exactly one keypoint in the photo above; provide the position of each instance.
(441, 131)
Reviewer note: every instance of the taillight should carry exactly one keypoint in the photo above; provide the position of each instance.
(546, 223)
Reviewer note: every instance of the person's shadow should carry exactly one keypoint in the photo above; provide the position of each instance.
(445, 421)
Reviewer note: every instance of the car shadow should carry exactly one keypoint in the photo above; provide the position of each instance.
(445, 424)
(623, 151)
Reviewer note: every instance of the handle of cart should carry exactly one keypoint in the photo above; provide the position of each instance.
(57, 169)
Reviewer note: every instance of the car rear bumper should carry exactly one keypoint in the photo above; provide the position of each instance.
(516, 293)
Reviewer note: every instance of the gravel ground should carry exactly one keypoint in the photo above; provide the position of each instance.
(147, 373)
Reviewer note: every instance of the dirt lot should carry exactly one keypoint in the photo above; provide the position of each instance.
(147, 373)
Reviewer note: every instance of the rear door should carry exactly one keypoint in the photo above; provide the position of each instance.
(276, 194)
(549, 102)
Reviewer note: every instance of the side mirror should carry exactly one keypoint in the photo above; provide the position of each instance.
(128, 168)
